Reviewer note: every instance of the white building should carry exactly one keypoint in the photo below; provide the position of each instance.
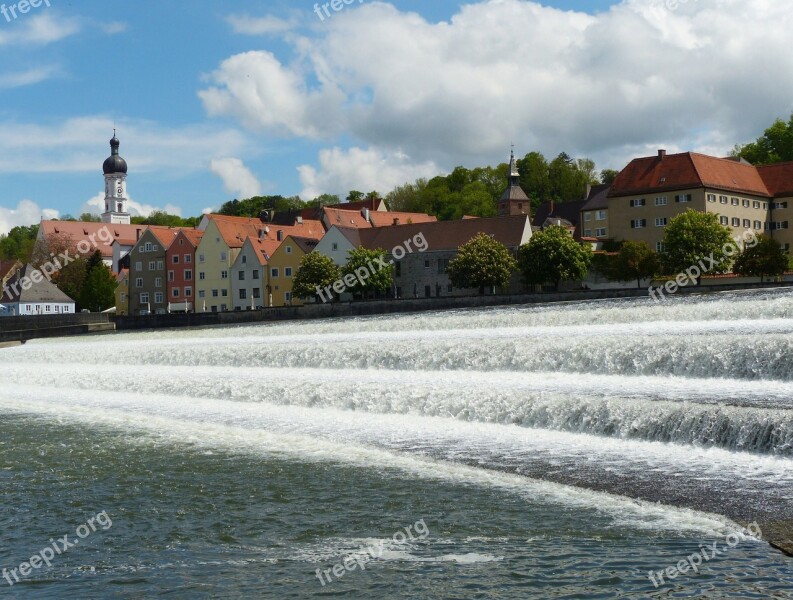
(28, 292)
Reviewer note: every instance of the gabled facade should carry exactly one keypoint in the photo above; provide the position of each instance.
(29, 293)
(180, 265)
(122, 293)
(337, 243)
(283, 266)
(147, 272)
(249, 276)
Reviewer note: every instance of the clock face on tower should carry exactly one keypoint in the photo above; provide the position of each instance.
(119, 188)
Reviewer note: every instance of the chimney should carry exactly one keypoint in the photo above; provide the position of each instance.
(661, 154)
(550, 214)
(137, 234)
(365, 214)
(280, 235)
(396, 220)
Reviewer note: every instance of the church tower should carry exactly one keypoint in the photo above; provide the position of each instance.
(514, 200)
(115, 169)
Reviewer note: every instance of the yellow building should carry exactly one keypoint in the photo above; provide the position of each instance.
(122, 293)
(282, 267)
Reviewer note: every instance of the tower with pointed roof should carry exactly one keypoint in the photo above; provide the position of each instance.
(514, 200)
(115, 170)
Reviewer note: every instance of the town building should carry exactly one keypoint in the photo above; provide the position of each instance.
(27, 292)
(283, 266)
(514, 200)
(8, 269)
(249, 274)
(147, 272)
(116, 201)
(180, 258)
(122, 293)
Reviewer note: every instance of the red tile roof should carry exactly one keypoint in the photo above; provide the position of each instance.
(778, 179)
(79, 230)
(687, 170)
(384, 219)
(344, 218)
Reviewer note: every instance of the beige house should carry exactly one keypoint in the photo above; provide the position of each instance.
(122, 293)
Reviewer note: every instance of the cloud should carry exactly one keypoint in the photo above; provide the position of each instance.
(96, 206)
(360, 169)
(624, 81)
(267, 25)
(237, 178)
(25, 78)
(26, 213)
(146, 146)
(113, 27)
(37, 30)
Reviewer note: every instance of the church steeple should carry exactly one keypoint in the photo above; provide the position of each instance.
(115, 170)
(514, 200)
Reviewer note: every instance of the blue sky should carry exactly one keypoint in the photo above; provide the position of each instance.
(215, 100)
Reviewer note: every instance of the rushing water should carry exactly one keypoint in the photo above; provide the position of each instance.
(543, 452)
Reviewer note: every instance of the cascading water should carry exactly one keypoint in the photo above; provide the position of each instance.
(603, 408)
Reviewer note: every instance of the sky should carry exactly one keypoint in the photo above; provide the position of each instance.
(214, 100)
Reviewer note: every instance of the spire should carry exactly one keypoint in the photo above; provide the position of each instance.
(114, 144)
(513, 166)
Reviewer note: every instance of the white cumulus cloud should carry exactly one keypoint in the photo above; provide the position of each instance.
(237, 178)
(26, 213)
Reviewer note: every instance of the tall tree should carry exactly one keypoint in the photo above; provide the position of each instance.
(697, 239)
(608, 176)
(553, 256)
(365, 273)
(482, 263)
(355, 196)
(19, 243)
(635, 261)
(99, 286)
(774, 146)
(315, 274)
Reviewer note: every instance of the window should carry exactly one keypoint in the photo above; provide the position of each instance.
(756, 204)
(735, 201)
(152, 265)
(746, 204)
(224, 274)
(765, 205)
(780, 224)
(398, 270)
(638, 223)
(215, 293)
(723, 199)
(139, 282)
(443, 265)
(289, 249)
(223, 308)
(160, 265)
(224, 256)
(144, 298)
(660, 247)
(747, 223)
(587, 233)
(661, 221)
(148, 247)
(175, 292)
(188, 292)
(638, 202)
(138, 266)
(201, 258)
(170, 275)
(241, 275)
(334, 246)
(123, 297)
(427, 263)
(202, 294)
(660, 201)
(758, 225)
(724, 220)
(155, 248)
(175, 259)
(684, 198)
(449, 288)
(47, 308)
(243, 294)
(274, 273)
(736, 222)
(600, 215)
(587, 216)
(188, 259)
(288, 296)
(255, 274)
(244, 259)
(711, 197)
(257, 293)
(224, 293)
(201, 276)
(778, 205)
(188, 275)
(159, 298)
(600, 232)
(287, 271)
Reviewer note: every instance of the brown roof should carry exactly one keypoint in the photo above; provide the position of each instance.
(36, 290)
(81, 230)
(687, 170)
(448, 235)
(384, 219)
(305, 244)
(235, 230)
(778, 178)
(165, 235)
(194, 236)
(344, 218)
(6, 266)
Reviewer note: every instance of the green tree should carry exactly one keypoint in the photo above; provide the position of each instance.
(553, 256)
(635, 261)
(367, 271)
(534, 178)
(90, 218)
(695, 236)
(355, 196)
(608, 176)
(316, 271)
(99, 286)
(253, 207)
(18, 243)
(765, 258)
(774, 146)
(71, 279)
(473, 200)
(482, 263)
(323, 200)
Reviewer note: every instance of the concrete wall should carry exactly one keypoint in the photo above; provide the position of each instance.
(14, 329)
